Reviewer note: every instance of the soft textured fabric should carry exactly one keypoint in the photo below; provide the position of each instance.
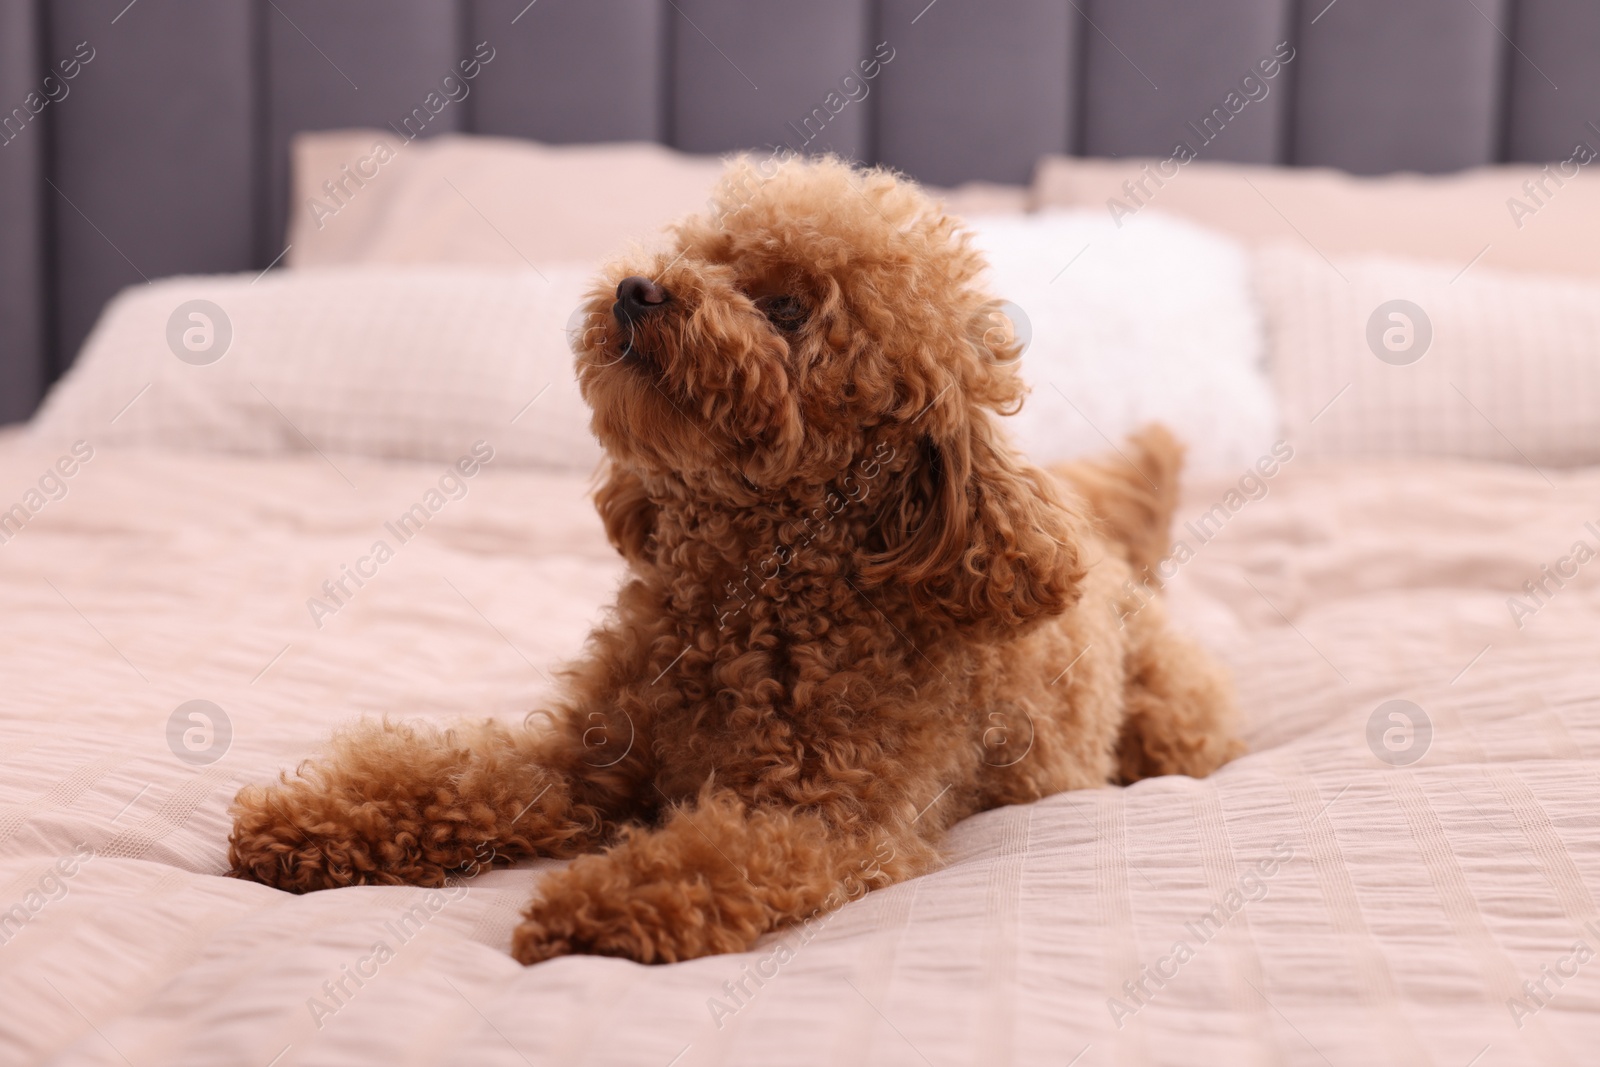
(403, 362)
(1414, 903)
(1151, 323)
(492, 200)
(1387, 358)
(1486, 216)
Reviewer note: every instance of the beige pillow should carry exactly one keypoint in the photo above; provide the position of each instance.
(413, 362)
(983, 199)
(1388, 358)
(1486, 216)
(369, 196)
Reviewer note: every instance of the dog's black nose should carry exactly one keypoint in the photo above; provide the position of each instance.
(637, 296)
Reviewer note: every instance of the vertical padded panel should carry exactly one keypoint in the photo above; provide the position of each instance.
(977, 89)
(747, 73)
(24, 366)
(154, 148)
(1399, 84)
(1158, 72)
(571, 70)
(1560, 47)
(338, 63)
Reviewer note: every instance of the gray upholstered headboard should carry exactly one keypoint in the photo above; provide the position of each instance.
(166, 151)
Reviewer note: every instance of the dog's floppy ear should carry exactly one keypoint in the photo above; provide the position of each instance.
(976, 535)
(626, 510)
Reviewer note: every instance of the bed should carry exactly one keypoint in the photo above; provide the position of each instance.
(1389, 525)
(1415, 903)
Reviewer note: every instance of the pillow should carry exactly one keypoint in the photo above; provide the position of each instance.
(1151, 322)
(1513, 217)
(1386, 358)
(367, 196)
(412, 363)
(975, 199)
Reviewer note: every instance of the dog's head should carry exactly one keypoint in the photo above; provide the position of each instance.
(821, 326)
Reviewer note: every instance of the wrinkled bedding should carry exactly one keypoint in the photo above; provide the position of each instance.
(1332, 907)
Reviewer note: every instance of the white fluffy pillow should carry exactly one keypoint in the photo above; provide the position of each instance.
(1389, 358)
(402, 362)
(1154, 321)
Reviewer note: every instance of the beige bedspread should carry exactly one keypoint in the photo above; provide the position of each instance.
(1332, 908)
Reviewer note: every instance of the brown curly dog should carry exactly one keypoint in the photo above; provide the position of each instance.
(853, 615)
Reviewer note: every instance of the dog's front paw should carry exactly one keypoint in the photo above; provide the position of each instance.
(598, 907)
(535, 941)
(571, 919)
(299, 841)
(268, 845)
(562, 930)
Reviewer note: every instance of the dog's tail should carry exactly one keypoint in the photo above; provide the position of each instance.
(1132, 494)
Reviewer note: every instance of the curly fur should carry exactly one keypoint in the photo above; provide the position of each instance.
(853, 614)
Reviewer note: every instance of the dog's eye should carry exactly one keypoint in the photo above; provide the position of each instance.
(784, 312)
